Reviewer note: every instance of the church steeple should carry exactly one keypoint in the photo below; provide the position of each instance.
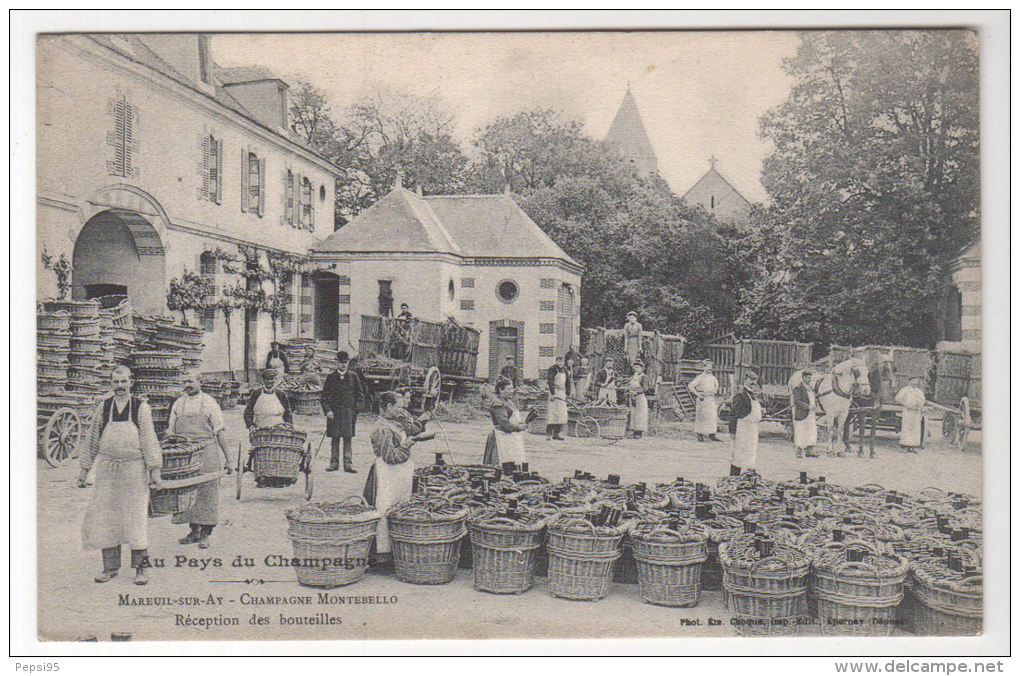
(628, 137)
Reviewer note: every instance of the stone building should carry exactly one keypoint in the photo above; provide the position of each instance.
(476, 258)
(715, 194)
(150, 159)
(960, 319)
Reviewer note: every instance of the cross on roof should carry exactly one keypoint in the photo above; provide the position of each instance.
(711, 161)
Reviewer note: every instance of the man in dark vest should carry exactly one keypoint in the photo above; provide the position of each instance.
(342, 395)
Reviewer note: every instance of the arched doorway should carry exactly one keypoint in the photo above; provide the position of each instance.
(327, 306)
(119, 251)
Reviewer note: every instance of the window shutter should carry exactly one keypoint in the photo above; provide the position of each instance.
(129, 113)
(244, 180)
(219, 171)
(311, 218)
(262, 187)
(205, 166)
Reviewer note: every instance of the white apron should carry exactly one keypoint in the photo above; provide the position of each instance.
(510, 445)
(638, 406)
(912, 431)
(557, 411)
(608, 394)
(119, 506)
(805, 432)
(268, 410)
(393, 485)
(745, 441)
(706, 413)
(205, 510)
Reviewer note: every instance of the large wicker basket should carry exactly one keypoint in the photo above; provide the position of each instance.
(306, 402)
(167, 501)
(426, 543)
(331, 541)
(277, 452)
(948, 608)
(581, 559)
(504, 554)
(857, 598)
(612, 420)
(669, 565)
(767, 597)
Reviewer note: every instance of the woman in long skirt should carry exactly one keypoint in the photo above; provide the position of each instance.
(505, 442)
(637, 388)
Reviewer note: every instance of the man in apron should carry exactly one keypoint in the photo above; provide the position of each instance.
(505, 442)
(122, 446)
(911, 398)
(605, 380)
(704, 389)
(342, 395)
(805, 425)
(390, 479)
(559, 390)
(196, 415)
(276, 359)
(745, 419)
(267, 406)
(637, 388)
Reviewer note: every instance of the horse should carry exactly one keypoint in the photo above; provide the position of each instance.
(835, 392)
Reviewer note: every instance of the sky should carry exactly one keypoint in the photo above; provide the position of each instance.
(699, 93)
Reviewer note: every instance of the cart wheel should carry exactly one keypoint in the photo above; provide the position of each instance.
(239, 472)
(586, 428)
(61, 436)
(433, 386)
(950, 427)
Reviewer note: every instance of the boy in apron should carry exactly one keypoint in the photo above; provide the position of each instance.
(122, 446)
(196, 415)
(745, 419)
(636, 388)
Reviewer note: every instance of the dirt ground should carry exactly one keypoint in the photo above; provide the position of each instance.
(72, 606)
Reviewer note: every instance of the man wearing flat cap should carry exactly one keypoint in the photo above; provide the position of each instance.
(276, 359)
(342, 395)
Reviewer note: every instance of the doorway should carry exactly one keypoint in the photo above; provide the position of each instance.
(505, 340)
(327, 306)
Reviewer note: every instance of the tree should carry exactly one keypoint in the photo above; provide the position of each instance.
(187, 292)
(61, 267)
(874, 187)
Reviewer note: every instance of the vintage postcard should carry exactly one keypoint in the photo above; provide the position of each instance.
(509, 335)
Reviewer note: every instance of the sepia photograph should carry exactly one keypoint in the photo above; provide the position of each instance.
(589, 334)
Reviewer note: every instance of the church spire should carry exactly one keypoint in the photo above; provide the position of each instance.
(628, 137)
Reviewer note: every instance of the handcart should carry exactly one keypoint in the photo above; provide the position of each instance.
(608, 423)
(957, 423)
(62, 424)
(278, 454)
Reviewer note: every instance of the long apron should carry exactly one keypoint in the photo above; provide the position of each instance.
(205, 510)
(632, 343)
(638, 407)
(393, 485)
(510, 445)
(268, 410)
(912, 431)
(556, 414)
(805, 432)
(119, 506)
(706, 413)
(745, 441)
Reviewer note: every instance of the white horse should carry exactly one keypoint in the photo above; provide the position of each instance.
(835, 392)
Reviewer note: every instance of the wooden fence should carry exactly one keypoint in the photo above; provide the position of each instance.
(775, 361)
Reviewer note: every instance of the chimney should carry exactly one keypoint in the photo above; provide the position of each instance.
(417, 190)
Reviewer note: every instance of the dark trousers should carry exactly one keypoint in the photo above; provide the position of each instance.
(334, 447)
(111, 558)
(553, 430)
(202, 528)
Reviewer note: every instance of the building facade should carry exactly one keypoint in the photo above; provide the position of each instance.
(960, 316)
(477, 259)
(716, 195)
(153, 162)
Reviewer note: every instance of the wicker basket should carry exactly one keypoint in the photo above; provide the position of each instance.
(86, 344)
(581, 559)
(85, 328)
(55, 339)
(504, 554)
(426, 544)
(53, 321)
(51, 370)
(305, 402)
(857, 599)
(767, 597)
(669, 566)
(948, 608)
(157, 359)
(612, 420)
(167, 501)
(278, 435)
(277, 461)
(84, 309)
(333, 539)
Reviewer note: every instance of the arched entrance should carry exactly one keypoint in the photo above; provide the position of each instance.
(119, 251)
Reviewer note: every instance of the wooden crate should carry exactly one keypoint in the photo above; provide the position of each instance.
(775, 361)
(451, 347)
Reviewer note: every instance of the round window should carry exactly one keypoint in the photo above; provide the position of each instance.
(451, 289)
(507, 291)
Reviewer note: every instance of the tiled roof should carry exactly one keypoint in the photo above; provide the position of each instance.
(480, 226)
(628, 137)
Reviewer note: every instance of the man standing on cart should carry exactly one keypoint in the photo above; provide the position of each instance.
(197, 416)
(342, 395)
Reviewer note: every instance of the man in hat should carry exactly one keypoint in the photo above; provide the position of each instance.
(276, 359)
(342, 395)
(267, 405)
(704, 389)
(632, 337)
(196, 415)
(510, 371)
(405, 312)
(912, 399)
(122, 446)
(745, 420)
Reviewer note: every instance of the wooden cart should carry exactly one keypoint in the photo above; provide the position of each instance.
(958, 423)
(62, 424)
(274, 466)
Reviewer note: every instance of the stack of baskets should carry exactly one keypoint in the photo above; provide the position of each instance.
(182, 459)
(331, 541)
(858, 590)
(277, 453)
(295, 350)
(89, 357)
(305, 397)
(225, 392)
(581, 558)
(504, 547)
(53, 341)
(765, 585)
(669, 563)
(159, 377)
(426, 539)
(187, 340)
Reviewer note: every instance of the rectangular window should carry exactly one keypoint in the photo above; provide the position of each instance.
(548, 283)
(254, 181)
(547, 305)
(214, 174)
(467, 305)
(345, 319)
(307, 211)
(545, 350)
(467, 283)
(565, 297)
(121, 138)
(288, 199)
(546, 328)
(209, 319)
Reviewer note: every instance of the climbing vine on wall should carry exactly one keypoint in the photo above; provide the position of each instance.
(61, 267)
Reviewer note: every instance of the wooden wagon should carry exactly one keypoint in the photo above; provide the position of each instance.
(421, 356)
(62, 423)
(957, 394)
